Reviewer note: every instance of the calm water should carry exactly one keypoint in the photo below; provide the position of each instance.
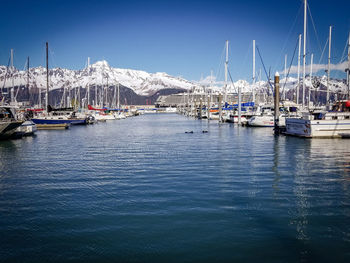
(142, 190)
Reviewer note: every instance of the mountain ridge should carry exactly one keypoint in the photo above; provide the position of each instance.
(98, 74)
(145, 87)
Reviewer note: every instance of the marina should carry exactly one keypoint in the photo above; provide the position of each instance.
(156, 155)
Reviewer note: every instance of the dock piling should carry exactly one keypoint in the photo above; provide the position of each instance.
(220, 108)
(208, 108)
(277, 103)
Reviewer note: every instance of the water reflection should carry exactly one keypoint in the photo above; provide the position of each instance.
(275, 167)
(8, 150)
(231, 189)
(321, 174)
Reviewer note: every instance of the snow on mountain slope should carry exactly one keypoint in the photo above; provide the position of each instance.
(336, 85)
(100, 73)
(141, 82)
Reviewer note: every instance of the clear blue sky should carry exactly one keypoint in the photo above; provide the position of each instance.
(182, 38)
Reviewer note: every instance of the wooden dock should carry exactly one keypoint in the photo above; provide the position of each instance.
(52, 126)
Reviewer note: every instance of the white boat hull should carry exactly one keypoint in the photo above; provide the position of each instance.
(261, 121)
(27, 128)
(317, 128)
(234, 119)
(103, 117)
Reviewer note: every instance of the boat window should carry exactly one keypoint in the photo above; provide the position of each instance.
(318, 116)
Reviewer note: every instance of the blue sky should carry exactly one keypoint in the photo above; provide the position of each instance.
(182, 38)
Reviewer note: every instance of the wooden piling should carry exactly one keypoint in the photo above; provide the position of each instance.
(208, 108)
(220, 107)
(277, 103)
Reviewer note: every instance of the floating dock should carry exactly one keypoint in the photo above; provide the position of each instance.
(52, 126)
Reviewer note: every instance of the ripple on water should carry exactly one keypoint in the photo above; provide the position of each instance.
(142, 190)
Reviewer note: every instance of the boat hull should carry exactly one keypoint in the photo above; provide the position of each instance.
(7, 129)
(261, 121)
(317, 128)
(234, 119)
(59, 121)
(27, 128)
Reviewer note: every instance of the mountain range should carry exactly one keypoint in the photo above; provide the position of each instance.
(137, 87)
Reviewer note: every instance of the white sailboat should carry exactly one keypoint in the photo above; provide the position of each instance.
(333, 123)
(50, 118)
(28, 127)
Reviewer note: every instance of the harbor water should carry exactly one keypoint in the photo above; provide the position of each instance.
(144, 190)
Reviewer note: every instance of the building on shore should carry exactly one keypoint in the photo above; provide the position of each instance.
(176, 100)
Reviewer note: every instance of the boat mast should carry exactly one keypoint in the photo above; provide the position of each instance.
(28, 74)
(298, 87)
(211, 85)
(253, 92)
(309, 94)
(79, 102)
(329, 62)
(47, 76)
(64, 98)
(102, 92)
(348, 75)
(88, 87)
(226, 69)
(114, 101)
(118, 106)
(107, 102)
(39, 91)
(239, 104)
(96, 93)
(13, 81)
(285, 75)
(304, 53)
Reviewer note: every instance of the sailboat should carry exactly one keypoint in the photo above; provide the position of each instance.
(52, 118)
(28, 127)
(333, 123)
(100, 114)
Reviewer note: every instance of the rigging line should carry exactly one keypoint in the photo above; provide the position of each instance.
(25, 66)
(324, 49)
(289, 33)
(262, 62)
(343, 57)
(290, 66)
(17, 93)
(7, 72)
(220, 63)
(313, 24)
(235, 89)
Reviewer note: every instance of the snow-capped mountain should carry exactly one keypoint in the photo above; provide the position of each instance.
(100, 73)
(287, 85)
(145, 84)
